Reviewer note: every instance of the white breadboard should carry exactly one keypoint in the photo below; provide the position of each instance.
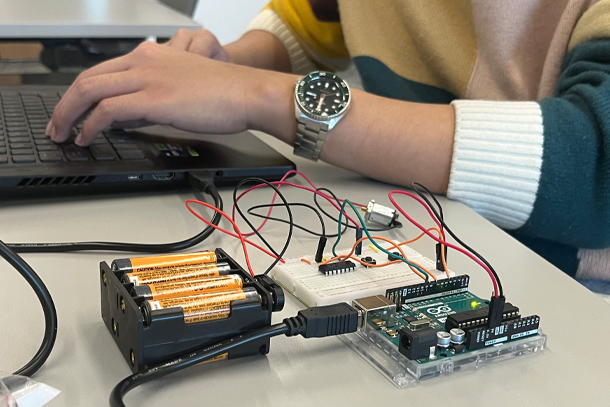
(313, 288)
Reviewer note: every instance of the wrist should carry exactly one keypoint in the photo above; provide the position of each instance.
(270, 105)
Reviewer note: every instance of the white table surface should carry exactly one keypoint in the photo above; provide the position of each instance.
(40, 19)
(86, 364)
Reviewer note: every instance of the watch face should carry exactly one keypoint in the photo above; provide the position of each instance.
(322, 95)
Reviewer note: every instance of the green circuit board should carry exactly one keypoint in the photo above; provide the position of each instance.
(436, 310)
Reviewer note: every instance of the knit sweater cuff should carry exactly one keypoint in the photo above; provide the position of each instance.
(267, 20)
(497, 158)
(594, 264)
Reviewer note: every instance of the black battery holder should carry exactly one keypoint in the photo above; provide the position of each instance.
(167, 336)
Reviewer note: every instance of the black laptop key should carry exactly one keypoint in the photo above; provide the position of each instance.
(24, 159)
(131, 154)
(116, 132)
(40, 126)
(10, 124)
(15, 133)
(21, 151)
(126, 146)
(50, 156)
(120, 140)
(47, 147)
(44, 142)
(18, 139)
(20, 145)
(102, 152)
(99, 139)
(39, 135)
(3, 158)
(44, 121)
(2, 150)
(38, 120)
(21, 129)
(76, 153)
(48, 94)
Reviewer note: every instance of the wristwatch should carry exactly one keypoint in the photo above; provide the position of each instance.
(321, 99)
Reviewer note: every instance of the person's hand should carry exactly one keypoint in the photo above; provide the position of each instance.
(157, 84)
(201, 42)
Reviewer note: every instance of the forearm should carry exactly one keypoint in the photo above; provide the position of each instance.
(386, 139)
(394, 141)
(259, 49)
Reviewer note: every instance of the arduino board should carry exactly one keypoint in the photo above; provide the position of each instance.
(413, 330)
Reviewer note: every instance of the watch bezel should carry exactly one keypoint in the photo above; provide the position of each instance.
(299, 95)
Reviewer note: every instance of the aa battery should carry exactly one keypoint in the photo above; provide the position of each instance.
(136, 264)
(200, 308)
(173, 289)
(177, 273)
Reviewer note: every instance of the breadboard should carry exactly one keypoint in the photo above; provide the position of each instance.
(313, 288)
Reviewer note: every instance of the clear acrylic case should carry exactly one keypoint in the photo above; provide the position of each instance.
(21, 391)
(404, 373)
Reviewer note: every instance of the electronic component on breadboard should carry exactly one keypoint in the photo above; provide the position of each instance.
(315, 288)
(380, 214)
(336, 268)
(394, 256)
(369, 261)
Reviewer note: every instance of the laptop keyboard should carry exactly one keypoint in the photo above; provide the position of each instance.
(23, 119)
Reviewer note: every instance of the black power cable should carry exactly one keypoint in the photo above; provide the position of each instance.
(286, 205)
(48, 307)
(258, 215)
(204, 181)
(318, 212)
(9, 253)
(314, 322)
(395, 224)
(417, 187)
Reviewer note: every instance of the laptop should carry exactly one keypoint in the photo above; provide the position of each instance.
(156, 157)
(184, 6)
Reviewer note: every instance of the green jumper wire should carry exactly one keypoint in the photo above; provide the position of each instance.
(347, 201)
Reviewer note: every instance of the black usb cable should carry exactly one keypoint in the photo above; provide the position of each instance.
(317, 322)
(202, 181)
(48, 307)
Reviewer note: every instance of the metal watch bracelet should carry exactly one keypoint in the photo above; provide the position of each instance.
(310, 139)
